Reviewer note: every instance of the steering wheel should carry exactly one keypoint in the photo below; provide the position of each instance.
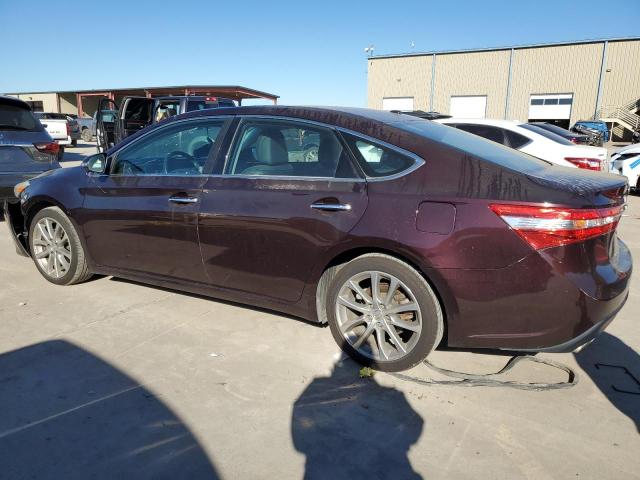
(178, 155)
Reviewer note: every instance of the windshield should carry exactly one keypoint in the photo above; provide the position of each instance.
(475, 145)
(17, 118)
(546, 133)
(554, 128)
(193, 105)
(51, 116)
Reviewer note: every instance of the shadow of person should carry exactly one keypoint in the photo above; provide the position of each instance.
(67, 414)
(354, 428)
(615, 369)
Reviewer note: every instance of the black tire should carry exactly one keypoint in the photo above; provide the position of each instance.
(60, 153)
(74, 143)
(78, 270)
(430, 309)
(86, 134)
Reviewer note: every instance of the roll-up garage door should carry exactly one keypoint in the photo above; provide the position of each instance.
(468, 106)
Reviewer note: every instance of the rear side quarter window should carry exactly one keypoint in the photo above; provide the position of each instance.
(377, 160)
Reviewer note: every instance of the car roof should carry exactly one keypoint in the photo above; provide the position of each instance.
(16, 102)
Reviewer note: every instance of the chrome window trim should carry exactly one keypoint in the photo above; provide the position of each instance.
(114, 156)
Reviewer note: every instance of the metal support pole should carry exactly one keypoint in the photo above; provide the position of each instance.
(79, 105)
(603, 69)
(508, 99)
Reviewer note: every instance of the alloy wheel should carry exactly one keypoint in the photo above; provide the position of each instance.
(51, 247)
(378, 316)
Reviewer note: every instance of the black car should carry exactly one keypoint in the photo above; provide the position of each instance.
(577, 138)
(26, 149)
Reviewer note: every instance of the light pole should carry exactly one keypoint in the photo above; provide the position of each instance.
(369, 50)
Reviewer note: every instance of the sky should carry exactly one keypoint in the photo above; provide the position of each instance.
(307, 52)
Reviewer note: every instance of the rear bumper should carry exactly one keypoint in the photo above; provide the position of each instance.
(536, 304)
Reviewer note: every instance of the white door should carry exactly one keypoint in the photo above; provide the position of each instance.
(404, 104)
(468, 106)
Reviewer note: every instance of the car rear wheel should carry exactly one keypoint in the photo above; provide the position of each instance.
(86, 134)
(383, 313)
(56, 248)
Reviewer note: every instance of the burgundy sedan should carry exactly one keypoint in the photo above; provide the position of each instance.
(399, 233)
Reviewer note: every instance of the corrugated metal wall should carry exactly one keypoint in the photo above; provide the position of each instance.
(399, 77)
(478, 73)
(622, 83)
(564, 69)
(571, 69)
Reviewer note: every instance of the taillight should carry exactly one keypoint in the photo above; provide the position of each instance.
(68, 129)
(573, 140)
(544, 227)
(52, 147)
(586, 163)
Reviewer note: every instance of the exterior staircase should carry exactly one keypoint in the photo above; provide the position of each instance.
(622, 118)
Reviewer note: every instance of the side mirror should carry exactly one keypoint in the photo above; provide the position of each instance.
(95, 163)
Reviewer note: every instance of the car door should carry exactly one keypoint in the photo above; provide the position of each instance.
(275, 208)
(141, 217)
(134, 114)
(106, 124)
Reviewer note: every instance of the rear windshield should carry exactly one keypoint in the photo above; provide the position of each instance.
(17, 118)
(475, 145)
(546, 133)
(554, 128)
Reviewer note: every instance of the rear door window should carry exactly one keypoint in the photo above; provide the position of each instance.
(290, 149)
(13, 117)
(377, 160)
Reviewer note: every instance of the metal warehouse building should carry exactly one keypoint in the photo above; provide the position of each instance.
(560, 82)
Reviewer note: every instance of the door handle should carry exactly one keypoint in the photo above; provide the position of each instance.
(332, 207)
(183, 200)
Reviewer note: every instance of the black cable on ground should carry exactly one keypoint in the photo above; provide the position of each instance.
(486, 380)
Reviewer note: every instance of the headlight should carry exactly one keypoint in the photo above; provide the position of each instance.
(19, 188)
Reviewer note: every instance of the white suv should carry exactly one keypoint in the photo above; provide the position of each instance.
(535, 141)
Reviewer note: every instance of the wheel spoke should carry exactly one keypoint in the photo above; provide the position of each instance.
(356, 288)
(403, 307)
(381, 342)
(66, 253)
(358, 343)
(49, 228)
(350, 325)
(44, 234)
(375, 287)
(38, 242)
(393, 286)
(50, 267)
(64, 264)
(42, 254)
(353, 306)
(412, 326)
(397, 341)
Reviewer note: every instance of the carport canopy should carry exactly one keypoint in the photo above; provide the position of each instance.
(234, 92)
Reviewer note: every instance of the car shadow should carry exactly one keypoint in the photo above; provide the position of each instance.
(65, 413)
(615, 369)
(350, 427)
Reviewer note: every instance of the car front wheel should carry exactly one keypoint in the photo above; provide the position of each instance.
(383, 313)
(56, 249)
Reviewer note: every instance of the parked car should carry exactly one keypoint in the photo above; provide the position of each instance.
(136, 113)
(399, 231)
(85, 124)
(626, 161)
(534, 141)
(596, 128)
(59, 126)
(26, 149)
(577, 138)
